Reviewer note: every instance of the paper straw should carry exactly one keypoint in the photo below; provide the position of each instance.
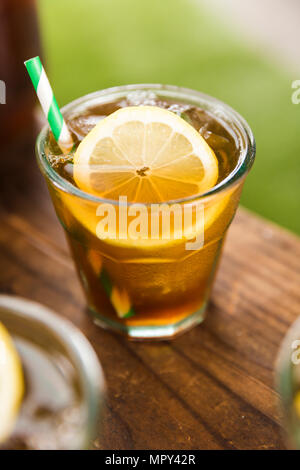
(49, 104)
(118, 297)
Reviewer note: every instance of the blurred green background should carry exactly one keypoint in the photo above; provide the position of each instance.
(94, 44)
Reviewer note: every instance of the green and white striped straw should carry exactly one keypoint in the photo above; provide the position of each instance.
(118, 298)
(49, 104)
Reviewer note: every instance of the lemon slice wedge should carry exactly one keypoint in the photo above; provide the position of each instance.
(11, 384)
(147, 154)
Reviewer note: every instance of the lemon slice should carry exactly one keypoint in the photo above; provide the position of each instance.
(147, 154)
(84, 213)
(11, 384)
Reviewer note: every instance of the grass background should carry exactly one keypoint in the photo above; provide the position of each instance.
(93, 44)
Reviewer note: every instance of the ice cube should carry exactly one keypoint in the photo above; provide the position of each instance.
(179, 108)
(82, 125)
(214, 140)
(140, 98)
(200, 119)
(60, 160)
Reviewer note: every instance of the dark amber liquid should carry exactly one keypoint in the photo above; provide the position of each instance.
(166, 285)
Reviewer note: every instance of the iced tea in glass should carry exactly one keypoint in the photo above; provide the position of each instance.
(63, 381)
(288, 384)
(149, 288)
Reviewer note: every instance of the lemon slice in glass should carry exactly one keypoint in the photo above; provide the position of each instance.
(11, 384)
(147, 154)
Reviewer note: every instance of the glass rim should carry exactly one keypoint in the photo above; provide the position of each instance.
(284, 368)
(82, 353)
(221, 109)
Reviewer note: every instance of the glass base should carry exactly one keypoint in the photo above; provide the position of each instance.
(155, 332)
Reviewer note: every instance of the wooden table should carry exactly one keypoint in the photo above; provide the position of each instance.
(211, 388)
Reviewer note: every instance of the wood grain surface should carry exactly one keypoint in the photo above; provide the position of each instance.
(211, 388)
